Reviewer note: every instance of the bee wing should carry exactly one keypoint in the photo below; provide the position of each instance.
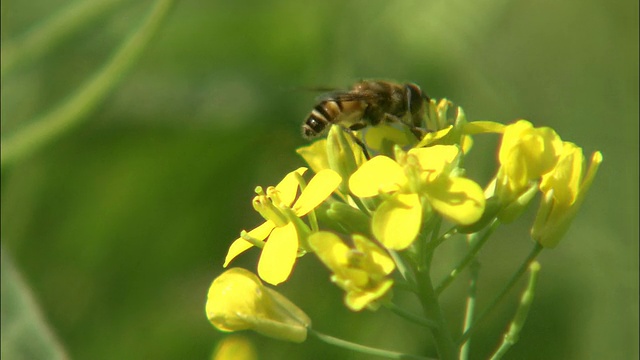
(344, 95)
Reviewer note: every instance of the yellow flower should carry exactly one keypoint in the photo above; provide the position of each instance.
(564, 190)
(282, 226)
(421, 174)
(235, 347)
(526, 153)
(237, 300)
(361, 271)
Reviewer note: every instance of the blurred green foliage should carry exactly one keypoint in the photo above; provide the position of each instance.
(119, 226)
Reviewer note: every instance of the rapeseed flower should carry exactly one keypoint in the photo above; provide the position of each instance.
(282, 233)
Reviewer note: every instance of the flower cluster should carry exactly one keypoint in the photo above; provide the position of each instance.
(365, 214)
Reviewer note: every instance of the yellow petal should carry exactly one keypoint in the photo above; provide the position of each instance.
(278, 255)
(315, 155)
(555, 215)
(483, 127)
(565, 178)
(378, 136)
(235, 347)
(432, 137)
(379, 256)
(329, 248)
(288, 187)
(231, 297)
(435, 159)
(526, 153)
(318, 190)
(397, 221)
(378, 173)
(241, 245)
(458, 199)
(359, 299)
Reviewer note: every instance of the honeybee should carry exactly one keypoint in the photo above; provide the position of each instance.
(369, 102)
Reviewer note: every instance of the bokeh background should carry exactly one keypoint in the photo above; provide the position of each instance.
(119, 226)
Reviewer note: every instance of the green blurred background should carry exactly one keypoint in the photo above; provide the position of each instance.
(119, 226)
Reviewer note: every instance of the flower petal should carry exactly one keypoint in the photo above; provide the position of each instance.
(397, 221)
(318, 190)
(378, 256)
(483, 127)
(235, 347)
(458, 199)
(565, 178)
(527, 152)
(435, 159)
(231, 298)
(330, 249)
(279, 255)
(315, 155)
(241, 245)
(432, 137)
(378, 136)
(379, 172)
(556, 213)
(288, 187)
(357, 300)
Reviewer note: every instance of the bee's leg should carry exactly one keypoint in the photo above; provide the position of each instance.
(415, 130)
(351, 131)
(419, 132)
(392, 119)
(362, 146)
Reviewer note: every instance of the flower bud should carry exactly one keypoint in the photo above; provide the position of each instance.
(564, 190)
(238, 300)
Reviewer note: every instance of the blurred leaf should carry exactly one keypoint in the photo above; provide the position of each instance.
(40, 131)
(24, 333)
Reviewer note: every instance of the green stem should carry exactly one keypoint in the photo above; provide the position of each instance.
(471, 306)
(512, 335)
(409, 316)
(477, 245)
(364, 349)
(69, 114)
(514, 279)
(45, 36)
(441, 334)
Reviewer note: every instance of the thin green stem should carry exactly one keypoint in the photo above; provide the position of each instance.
(514, 279)
(444, 342)
(361, 205)
(429, 300)
(364, 349)
(477, 245)
(470, 309)
(409, 316)
(39, 132)
(512, 335)
(52, 31)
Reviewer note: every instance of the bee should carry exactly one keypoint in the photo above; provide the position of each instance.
(368, 102)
